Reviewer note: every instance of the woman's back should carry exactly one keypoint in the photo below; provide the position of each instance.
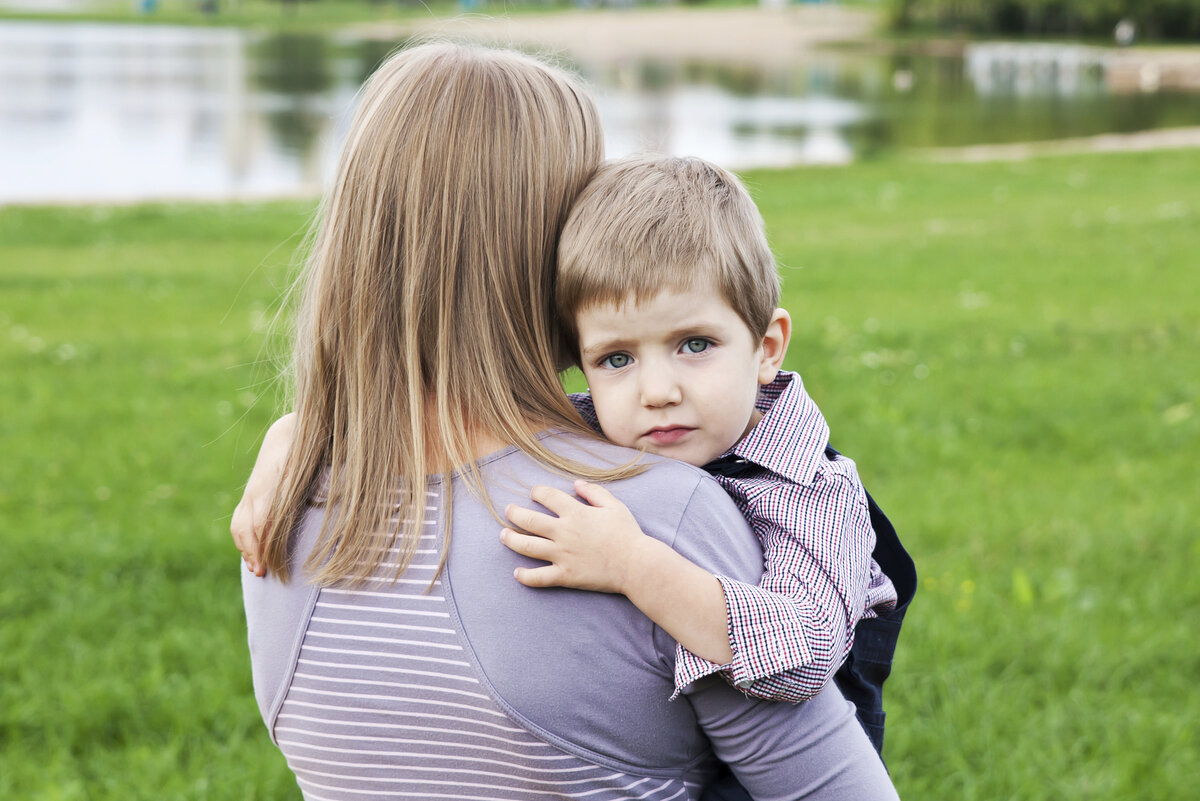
(484, 689)
(386, 699)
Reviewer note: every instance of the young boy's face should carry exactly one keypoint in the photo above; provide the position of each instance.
(677, 374)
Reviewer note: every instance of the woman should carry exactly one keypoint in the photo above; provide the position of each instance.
(394, 655)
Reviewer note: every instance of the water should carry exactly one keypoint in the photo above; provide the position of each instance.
(109, 112)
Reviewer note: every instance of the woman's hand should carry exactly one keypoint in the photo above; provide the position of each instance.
(590, 546)
(250, 524)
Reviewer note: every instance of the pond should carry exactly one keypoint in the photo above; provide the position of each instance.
(93, 112)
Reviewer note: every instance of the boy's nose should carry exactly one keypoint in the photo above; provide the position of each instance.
(659, 388)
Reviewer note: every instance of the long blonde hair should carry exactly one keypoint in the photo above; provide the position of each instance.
(426, 316)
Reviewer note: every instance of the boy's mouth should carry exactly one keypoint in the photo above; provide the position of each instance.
(666, 435)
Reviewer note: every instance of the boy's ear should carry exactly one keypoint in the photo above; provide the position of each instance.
(774, 346)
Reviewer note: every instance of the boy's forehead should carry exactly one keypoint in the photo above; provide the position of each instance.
(706, 295)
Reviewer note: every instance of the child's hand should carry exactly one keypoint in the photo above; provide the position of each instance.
(588, 547)
(249, 524)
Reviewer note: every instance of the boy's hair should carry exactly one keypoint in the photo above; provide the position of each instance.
(646, 224)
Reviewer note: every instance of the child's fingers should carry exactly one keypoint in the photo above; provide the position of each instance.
(242, 528)
(247, 537)
(529, 520)
(548, 576)
(595, 494)
(528, 545)
(555, 500)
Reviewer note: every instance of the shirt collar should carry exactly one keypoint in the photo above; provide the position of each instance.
(790, 438)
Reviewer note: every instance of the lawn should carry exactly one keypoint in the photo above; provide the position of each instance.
(1008, 350)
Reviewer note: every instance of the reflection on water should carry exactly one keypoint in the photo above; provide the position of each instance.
(124, 112)
(1004, 68)
(103, 112)
(736, 116)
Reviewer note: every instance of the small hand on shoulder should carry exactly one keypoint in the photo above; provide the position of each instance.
(592, 545)
(598, 545)
(250, 521)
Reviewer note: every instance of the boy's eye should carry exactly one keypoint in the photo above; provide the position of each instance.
(696, 345)
(616, 361)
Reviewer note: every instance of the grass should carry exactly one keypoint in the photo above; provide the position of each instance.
(129, 396)
(1009, 351)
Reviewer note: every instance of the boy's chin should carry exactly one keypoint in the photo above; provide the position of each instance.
(682, 455)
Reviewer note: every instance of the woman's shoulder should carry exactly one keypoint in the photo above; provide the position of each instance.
(665, 485)
(672, 501)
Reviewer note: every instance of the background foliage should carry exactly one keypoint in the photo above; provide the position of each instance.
(1156, 20)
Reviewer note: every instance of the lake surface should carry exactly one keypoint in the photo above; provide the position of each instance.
(93, 112)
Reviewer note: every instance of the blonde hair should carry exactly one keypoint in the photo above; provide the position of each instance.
(649, 223)
(426, 317)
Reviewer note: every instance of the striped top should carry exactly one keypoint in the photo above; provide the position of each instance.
(385, 703)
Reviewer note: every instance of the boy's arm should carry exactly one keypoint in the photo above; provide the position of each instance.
(249, 522)
(791, 633)
(783, 639)
(600, 547)
(778, 752)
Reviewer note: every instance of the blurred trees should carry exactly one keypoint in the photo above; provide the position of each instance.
(1158, 20)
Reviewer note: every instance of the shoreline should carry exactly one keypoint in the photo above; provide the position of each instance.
(751, 37)
(1098, 145)
(1137, 142)
(737, 35)
(742, 35)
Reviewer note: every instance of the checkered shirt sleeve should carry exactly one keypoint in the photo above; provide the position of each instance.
(791, 633)
(582, 402)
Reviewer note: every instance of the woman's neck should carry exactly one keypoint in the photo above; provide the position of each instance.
(480, 440)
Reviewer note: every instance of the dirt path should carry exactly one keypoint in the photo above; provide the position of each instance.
(1165, 139)
(738, 35)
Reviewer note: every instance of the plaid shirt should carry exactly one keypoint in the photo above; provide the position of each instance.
(791, 633)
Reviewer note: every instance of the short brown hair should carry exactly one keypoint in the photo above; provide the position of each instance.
(649, 223)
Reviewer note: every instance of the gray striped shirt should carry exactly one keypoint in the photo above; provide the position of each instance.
(385, 703)
(480, 688)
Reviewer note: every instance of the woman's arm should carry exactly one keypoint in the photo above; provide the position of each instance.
(249, 523)
(599, 546)
(780, 752)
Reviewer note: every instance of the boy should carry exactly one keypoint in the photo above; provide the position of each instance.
(668, 290)
(668, 294)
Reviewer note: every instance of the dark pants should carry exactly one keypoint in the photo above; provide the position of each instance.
(862, 675)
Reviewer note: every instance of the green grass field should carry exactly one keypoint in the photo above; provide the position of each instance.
(1009, 351)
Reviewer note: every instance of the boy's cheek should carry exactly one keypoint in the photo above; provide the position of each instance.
(614, 419)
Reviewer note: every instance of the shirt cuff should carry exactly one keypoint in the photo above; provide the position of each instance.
(766, 634)
(690, 668)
